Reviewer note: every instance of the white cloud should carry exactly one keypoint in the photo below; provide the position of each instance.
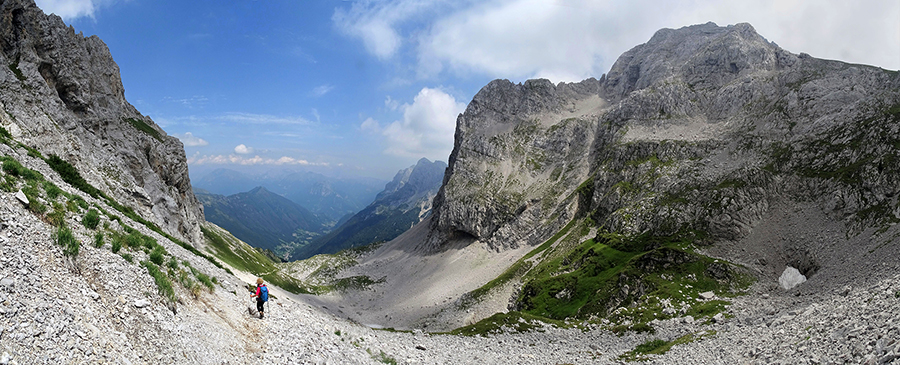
(426, 129)
(370, 125)
(391, 103)
(376, 22)
(263, 119)
(197, 159)
(569, 40)
(322, 89)
(68, 9)
(190, 140)
(243, 150)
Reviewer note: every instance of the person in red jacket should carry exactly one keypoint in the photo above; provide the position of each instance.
(262, 295)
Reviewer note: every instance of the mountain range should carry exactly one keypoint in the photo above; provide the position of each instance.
(647, 215)
(331, 198)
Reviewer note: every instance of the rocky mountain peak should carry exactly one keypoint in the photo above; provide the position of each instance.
(704, 55)
(63, 95)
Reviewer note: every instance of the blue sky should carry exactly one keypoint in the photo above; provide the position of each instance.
(369, 87)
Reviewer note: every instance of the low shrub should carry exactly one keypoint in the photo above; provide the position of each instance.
(98, 239)
(91, 219)
(157, 256)
(58, 216)
(116, 244)
(65, 238)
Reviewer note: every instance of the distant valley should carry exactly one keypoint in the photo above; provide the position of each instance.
(282, 223)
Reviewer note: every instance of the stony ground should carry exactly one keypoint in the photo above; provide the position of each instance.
(99, 308)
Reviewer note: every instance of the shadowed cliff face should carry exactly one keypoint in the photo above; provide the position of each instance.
(63, 95)
(701, 128)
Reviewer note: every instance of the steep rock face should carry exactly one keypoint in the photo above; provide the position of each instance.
(518, 150)
(703, 128)
(62, 94)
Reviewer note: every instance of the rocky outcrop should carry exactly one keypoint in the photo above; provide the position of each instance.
(63, 95)
(701, 128)
(519, 150)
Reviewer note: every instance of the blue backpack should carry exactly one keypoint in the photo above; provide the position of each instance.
(264, 293)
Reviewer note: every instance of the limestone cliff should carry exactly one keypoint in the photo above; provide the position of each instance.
(62, 94)
(702, 127)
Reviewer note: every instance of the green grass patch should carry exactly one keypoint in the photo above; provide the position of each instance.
(659, 347)
(144, 127)
(514, 321)
(98, 239)
(250, 261)
(624, 278)
(14, 67)
(157, 256)
(57, 217)
(163, 284)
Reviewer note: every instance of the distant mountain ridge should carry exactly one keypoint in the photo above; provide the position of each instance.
(331, 198)
(263, 219)
(405, 201)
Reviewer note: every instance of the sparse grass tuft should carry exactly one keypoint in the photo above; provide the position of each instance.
(98, 239)
(163, 284)
(65, 238)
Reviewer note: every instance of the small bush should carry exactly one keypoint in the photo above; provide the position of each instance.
(52, 190)
(116, 244)
(65, 238)
(58, 216)
(11, 166)
(91, 219)
(133, 240)
(127, 257)
(157, 256)
(150, 243)
(98, 239)
(34, 205)
(173, 263)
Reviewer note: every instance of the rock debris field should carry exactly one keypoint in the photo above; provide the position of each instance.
(101, 309)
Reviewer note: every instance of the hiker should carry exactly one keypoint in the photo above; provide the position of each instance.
(262, 296)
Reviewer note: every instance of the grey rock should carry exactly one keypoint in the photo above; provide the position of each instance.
(141, 303)
(707, 295)
(8, 284)
(20, 196)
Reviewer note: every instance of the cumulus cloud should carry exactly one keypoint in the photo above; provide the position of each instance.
(198, 159)
(569, 40)
(69, 9)
(426, 129)
(243, 150)
(190, 140)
